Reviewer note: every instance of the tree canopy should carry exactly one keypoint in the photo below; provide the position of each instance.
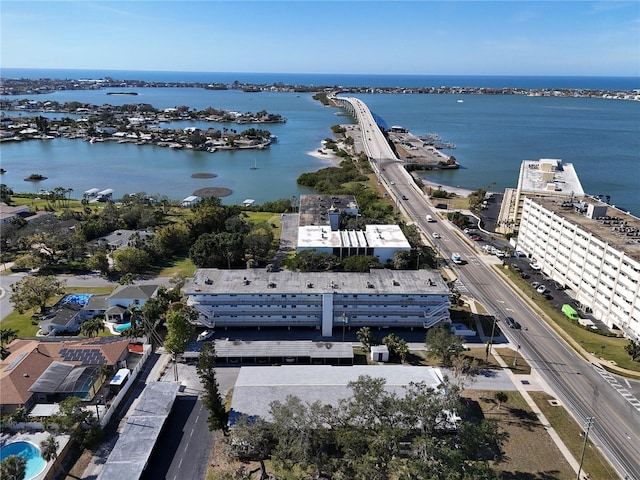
(35, 291)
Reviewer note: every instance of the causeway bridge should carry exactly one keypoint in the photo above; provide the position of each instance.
(374, 142)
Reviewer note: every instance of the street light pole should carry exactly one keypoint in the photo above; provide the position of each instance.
(493, 331)
(584, 445)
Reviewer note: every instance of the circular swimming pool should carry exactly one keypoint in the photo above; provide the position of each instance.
(35, 463)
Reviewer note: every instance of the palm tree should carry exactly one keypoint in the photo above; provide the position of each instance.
(95, 325)
(14, 467)
(49, 448)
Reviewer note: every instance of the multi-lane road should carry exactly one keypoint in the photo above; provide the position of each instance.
(584, 388)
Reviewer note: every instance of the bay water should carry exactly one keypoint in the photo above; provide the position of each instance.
(493, 134)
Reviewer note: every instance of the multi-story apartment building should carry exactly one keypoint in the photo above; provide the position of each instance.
(546, 178)
(592, 248)
(260, 298)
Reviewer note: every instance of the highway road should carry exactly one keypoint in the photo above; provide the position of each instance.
(584, 388)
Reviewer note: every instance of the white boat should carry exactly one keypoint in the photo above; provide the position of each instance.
(460, 101)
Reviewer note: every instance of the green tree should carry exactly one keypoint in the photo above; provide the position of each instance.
(366, 338)
(93, 326)
(251, 439)
(360, 263)
(32, 292)
(633, 349)
(5, 194)
(100, 262)
(217, 250)
(14, 467)
(7, 335)
(443, 344)
(212, 399)
(49, 448)
(501, 397)
(179, 331)
(131, 260)
(258, 242)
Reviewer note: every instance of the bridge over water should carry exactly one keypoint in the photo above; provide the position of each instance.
(375, 144)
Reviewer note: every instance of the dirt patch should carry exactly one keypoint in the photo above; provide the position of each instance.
(204, 175)
(213, 192)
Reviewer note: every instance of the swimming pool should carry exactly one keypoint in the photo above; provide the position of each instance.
(77, 298)
(120, 328)
(35, 463)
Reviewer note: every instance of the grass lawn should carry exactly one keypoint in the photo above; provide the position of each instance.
(509, 355)
(529, 452)
(569, 431)
(179, 267)
(27, 325)
(607, 348)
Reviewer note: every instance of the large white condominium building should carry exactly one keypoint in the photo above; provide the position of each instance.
(259, 298)
(547, 177)
(593, 249)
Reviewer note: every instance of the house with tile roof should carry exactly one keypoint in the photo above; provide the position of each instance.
(51, 369)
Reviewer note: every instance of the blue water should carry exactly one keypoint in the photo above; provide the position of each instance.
(493, 135)
(351, 80)
(120, 328)
(35, 463)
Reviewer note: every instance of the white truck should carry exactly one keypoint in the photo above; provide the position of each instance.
(430, 218)
(455, 257)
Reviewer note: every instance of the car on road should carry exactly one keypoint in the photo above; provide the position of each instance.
(206, 335)
(541, 289)
(435, 235)
(511, 323)
(404, 197)
(393, 183)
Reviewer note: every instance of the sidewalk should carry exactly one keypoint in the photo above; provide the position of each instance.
(536, 383)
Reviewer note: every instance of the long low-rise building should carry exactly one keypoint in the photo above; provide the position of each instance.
(591, 247)
(260, 298)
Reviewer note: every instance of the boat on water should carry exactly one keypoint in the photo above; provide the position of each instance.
(460, 101)
(122, 93)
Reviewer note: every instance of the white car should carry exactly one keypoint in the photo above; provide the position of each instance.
(436, 235)
(206, 335)
(541, 289)
(535, 266)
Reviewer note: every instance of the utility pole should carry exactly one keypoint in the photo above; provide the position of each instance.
(584, 445)
(493, 331)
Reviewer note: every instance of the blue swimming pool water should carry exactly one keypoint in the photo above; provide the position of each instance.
(120, 328)
(77, 298)
(35, 463)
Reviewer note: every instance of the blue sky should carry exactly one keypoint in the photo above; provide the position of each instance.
(367, 37)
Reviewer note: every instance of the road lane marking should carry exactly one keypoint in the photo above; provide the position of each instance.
(180, 464)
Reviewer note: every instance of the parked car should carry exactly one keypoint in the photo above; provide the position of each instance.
(541, 289)
(206, 335)
(516, 267)
(535, 284)
(548, 296)
(524, 275)
(511, 323)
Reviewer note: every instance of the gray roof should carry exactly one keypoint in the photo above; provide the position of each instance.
(257, 387)
(276, 348)
(134, 291)
(63, 315)
(260, 281)
(135, 444)
(97, 302)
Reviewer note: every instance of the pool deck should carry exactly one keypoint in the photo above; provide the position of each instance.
(35, 438)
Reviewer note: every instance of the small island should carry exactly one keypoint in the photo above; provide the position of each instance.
(35, 177)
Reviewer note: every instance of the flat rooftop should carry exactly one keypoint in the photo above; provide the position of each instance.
(613, 226)
(260, 281)
(132, 451)
(257, 387)
(549, 176)
(373, 236)
(315, 209)
(278, 348)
